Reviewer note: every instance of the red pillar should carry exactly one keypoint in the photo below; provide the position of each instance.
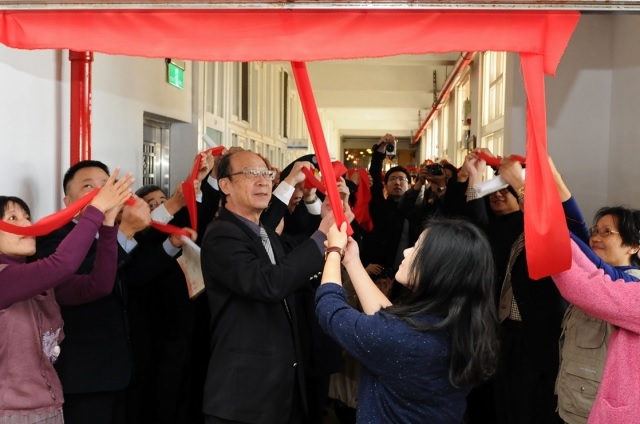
(80, 146)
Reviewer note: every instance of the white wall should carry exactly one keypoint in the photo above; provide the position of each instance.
(34, 126)
(578, 113)
(35, 118)
(124, 88)
(624, 172)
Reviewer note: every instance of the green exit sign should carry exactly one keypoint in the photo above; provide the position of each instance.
(175, 73)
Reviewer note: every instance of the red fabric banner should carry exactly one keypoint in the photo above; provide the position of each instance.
(58, 219)
(317, 139)
(311, 181)
(50, 222)
(363, 197)
(544, 215)
(495, 161)
(304, 35)
(189, 190)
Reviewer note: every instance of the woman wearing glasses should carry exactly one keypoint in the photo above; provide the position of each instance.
(611, 245)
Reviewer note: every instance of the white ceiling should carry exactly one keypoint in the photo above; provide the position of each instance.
(369, 97)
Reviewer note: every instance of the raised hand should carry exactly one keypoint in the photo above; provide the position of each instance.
(176, 201)
(206, 165)
(327, 221)
(352, 252)
(296, 175)
(337, 237)
(135, 218)
(176, 240)
(511, 172)
(114, 192)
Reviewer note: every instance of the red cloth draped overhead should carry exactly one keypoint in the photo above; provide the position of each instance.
(305, 35)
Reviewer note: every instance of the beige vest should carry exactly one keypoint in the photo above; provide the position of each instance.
(583, 350)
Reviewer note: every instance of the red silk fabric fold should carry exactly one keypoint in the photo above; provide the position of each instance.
(58, 219)
(50, 222)
(495, 162)
(317, 139)
(540, 37)
(189, 190)
(311, 181)
(546, 235)
(363, 197)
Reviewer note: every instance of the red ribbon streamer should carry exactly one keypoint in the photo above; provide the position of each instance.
(363, 197)
(544, 222)
(317, 139)
(311, 181)
(58, 219)
(189, 190)
(495, 162)
(50, 222)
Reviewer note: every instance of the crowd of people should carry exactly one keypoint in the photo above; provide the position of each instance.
(419, 308)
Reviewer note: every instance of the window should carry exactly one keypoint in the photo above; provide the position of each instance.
(463, 120)
(493, 142)
(284, 104)
(255, 86)
(493, 86)
(214, 92)
(244, 91)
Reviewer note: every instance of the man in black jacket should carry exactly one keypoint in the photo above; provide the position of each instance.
(96, 367)
(255, 371)
(382, 248)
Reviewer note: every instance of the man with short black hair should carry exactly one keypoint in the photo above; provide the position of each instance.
(382, 248)
(95, 367)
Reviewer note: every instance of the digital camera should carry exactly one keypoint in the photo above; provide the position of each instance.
(434, 169)
(390, 149)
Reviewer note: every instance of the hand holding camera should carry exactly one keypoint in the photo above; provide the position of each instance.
(387, 145)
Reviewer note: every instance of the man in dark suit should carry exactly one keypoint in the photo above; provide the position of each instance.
(254, 373)
(96, 368)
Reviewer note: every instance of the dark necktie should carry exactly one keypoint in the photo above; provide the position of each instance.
(267, 245)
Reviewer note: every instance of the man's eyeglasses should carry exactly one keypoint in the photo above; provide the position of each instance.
(401, 179)
(254, 174)
(602, 232)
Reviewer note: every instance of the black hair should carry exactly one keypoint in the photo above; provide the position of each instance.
(223, 171)
(452, 277)
(149, 188)
(452, 168)
(628, 222)
(396, 169)
(4, 204)
(71, 172)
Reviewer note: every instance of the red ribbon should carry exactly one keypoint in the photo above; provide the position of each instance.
(317, 139)
(189, 190)
(363, 197)
(50, 222)
(56, 220)
(311, 181)
(495, 162)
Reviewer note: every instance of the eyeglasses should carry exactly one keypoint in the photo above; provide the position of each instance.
(503, 192)
(401, 179)
(254, 174)
(602, 232)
